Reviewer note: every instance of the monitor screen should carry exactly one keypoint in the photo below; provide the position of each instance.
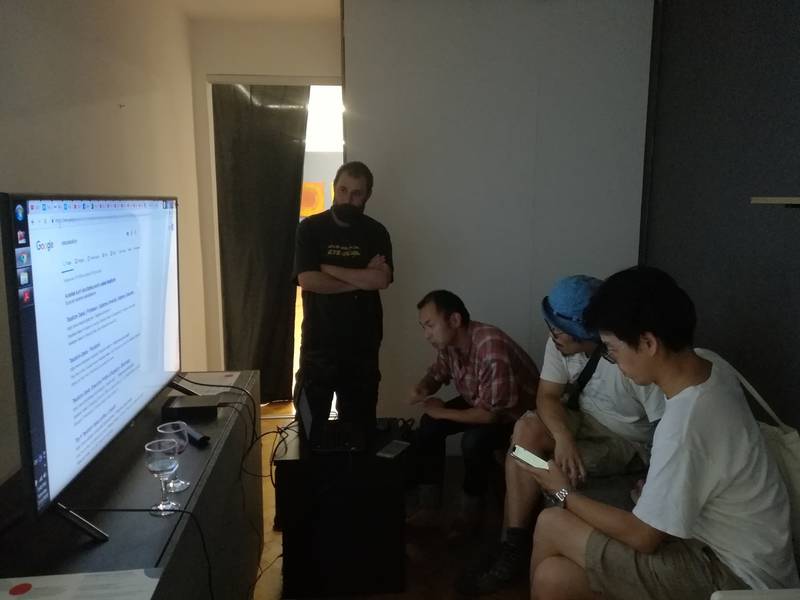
(92, 285)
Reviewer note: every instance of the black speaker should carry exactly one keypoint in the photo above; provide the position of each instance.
(343, 520)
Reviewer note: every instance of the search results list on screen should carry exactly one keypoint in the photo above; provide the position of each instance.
(101, 271)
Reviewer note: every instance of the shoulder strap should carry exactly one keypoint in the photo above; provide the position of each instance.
(763, 403)
(584, 377)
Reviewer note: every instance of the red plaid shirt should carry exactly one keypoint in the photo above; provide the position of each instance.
(495, 375)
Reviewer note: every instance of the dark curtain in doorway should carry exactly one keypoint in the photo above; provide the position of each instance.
(259, 134)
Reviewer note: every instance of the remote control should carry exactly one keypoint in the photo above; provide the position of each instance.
(196, 438)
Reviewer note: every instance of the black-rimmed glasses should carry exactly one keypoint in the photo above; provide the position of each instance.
(606, 353)
(553, 331)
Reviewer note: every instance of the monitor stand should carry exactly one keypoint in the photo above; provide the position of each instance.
(78, 521)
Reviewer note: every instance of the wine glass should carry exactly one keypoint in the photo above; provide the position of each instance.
(161, 461)
(175, 430)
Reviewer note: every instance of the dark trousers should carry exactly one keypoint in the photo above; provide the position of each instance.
(478, 445)
(353, 376)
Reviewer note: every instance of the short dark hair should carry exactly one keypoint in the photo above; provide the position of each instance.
(446, 303)
(358, 170)
(643, 299)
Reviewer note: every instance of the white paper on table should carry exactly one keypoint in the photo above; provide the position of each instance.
(138, 584)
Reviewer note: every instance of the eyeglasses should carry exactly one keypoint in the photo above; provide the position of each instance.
(553, 331)
(606, 353)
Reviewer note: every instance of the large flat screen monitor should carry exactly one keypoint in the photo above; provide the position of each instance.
(92, 288)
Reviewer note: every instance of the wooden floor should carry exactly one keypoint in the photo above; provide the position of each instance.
(433, 563)
(268, 586)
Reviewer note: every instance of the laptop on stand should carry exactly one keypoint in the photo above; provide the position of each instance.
(329, 436)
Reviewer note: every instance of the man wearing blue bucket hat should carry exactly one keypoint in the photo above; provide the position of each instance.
(589, 418)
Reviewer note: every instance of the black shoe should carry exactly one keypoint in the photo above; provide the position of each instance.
(510, 566)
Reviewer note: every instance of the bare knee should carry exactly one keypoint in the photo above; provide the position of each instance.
(531, 433)
(550, 525)
(550, 579)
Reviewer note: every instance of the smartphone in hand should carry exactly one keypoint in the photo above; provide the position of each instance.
(529, 458)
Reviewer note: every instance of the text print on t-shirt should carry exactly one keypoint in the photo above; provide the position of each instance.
(340, 250)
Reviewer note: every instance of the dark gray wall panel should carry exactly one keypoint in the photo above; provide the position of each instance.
(726, 127)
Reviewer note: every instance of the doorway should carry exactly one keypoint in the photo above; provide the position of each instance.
(323, 156)
(277, 148)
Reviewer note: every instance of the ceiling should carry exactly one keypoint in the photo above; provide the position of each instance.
(273, 10)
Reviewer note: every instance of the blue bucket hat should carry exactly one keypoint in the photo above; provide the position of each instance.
(563, 307)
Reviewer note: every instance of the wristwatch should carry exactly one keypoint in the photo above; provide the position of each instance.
(561, 497)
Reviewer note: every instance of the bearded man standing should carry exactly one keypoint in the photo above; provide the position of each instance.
(342, 259)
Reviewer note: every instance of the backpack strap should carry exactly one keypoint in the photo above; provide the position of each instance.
(584, 377)
(763, 403)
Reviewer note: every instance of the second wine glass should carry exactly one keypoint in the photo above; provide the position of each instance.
(162, 462)
(175, 430)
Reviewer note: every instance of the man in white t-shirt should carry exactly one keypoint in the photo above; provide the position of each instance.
(714, 511)
(605, 429)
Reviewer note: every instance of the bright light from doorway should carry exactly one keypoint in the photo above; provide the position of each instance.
(324, 155)
(324, 129)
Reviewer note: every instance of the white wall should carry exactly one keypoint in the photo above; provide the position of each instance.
(507, 142)
(277, 53)
(96, 98)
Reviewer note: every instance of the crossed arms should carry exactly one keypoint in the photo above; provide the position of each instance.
(331, 279)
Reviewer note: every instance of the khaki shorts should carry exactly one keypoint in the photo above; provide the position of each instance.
(684, 569)
(603, 452)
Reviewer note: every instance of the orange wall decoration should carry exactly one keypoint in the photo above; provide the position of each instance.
(313, 198)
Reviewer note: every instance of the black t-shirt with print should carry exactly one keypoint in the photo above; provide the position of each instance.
(350, 321)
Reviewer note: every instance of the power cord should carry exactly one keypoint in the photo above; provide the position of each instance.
(252, 425)
(253, 402)
(263, 570)
(235, 406)
(252, 411)
(242, 469)
(280, 433)
(284, 435)
(255, 529)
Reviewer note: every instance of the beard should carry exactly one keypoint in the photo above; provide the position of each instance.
(347, 213)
